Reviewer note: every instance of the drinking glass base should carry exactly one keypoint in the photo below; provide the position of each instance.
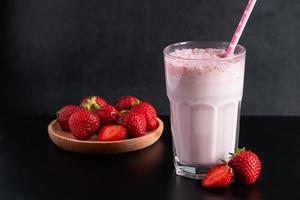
(189, 171)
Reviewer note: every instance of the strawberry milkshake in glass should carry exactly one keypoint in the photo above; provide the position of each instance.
(205, 92)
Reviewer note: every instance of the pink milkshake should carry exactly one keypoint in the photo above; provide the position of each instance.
(205, 92)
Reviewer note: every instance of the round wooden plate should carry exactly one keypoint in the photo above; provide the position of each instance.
(66, 140)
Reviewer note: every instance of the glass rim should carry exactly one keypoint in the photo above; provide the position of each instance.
(234, 56)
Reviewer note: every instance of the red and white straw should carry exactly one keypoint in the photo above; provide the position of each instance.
(239, 30)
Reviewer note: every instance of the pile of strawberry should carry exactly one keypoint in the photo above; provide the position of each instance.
(243, 166)
(128, 118)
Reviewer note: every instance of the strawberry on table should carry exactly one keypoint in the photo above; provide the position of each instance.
(126, 102)
(65, 113)
(150, 113)
(107, 114)
(220, 175)
(83, 124)
(93, 103)
(246, 166)
(134, 122)
(112, 132)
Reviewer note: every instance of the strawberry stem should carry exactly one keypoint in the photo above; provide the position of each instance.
(137, 102)
(238, 150)
(91, 104)
(122, 112)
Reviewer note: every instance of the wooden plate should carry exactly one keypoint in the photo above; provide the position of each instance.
(66, 140)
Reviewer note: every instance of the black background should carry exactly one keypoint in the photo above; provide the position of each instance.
(55, 52)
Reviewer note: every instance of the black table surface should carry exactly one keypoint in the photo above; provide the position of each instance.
(32, 167)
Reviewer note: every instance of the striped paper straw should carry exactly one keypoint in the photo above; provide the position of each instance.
(239, 30)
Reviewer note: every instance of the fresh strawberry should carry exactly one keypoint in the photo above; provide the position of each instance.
(246, 166)
(220, 175)
(112, 132)
(122, 118)
(64, 114)
(83, 124)
(93, 103)
(126, 102)
(134, 122)
(108, 114)
(150, 113)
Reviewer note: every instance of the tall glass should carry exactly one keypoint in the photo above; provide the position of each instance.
(205, 99)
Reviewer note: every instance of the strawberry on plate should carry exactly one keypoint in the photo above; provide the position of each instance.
(126, 102)
(246, 166)
(107, 114)
(150, 113)
(112, 132)
(93, 103)
(83, 124)
(64, 114)
(134, 122)
(220, 175)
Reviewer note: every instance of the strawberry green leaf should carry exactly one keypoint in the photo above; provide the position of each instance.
(91, 104)
(122, 112)
(238, 150)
